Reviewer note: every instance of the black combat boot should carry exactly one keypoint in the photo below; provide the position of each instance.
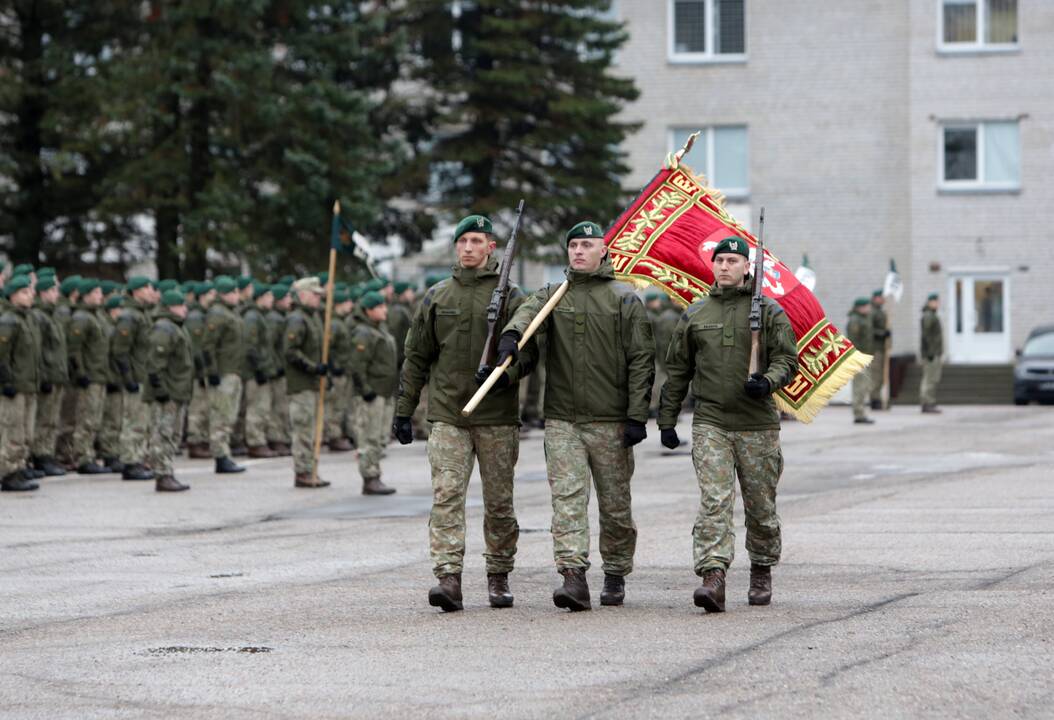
(226, 465)
(760, 592)
(135, 471)
(447, 594)
(92, 468)
(113, 465)
(574, 593)
(50, 467)
(498, 590)
(167, 483)
(374, 486)
(32, 473)
(710, 596)
(614, 591)
(16, 482)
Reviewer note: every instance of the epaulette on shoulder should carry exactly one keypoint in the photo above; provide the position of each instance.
(429, 297)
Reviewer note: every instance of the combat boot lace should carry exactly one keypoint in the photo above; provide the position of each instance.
(498, 590)
(710, 596)
(574, 593)
(614, 591)
(760, 592)
(447, 594)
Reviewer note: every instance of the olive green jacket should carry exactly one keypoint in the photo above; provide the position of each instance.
(341, 349)
(20, 359)
(663, 324)
(710, 350)
(932, 336)
(170, 358)
(88, 346)
(276, 322)
(374, 363)
(259, 343)
(131, 343)
(223, 345)
(400, 318)
(53, 355)
(302, 350)
(880, 326)
(444, 347)
(861, 332)
(600, 349)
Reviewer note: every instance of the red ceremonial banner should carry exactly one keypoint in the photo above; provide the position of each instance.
(666, 237)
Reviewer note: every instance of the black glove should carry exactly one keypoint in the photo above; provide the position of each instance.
(484, 372)
(633, 433)
(9, 391)
(280, 373)
(214, 380)
(404, 432)
(321, 369)
(112, 388)
(154, 380)
(131, 386)
(669, 438)
(83, 381)
(757, 386)
(509, 347)
(369, 396)
(161, 398)
(46, 388)
(201, 383)
(260, 377)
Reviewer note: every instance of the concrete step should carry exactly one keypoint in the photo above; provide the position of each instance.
(962, 385)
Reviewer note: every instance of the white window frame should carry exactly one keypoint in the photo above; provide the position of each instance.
(978, 45)
(704, 57)
(706, 136)
(979, 184)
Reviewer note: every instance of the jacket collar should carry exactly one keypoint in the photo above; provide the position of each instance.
(470, 276)
(604, 273)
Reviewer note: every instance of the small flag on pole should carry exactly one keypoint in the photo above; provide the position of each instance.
(894, 287)
(344, 239)
(805, 274)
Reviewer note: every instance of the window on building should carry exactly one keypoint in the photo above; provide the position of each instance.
(707, 30)
(984, 155)
(719, 153)
(978, 24)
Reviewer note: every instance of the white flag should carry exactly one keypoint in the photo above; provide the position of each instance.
(894, 287)
(805, 274)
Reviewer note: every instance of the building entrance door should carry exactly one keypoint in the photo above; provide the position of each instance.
(979, 314)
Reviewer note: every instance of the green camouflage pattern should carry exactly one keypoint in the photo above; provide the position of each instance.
(452, 452)
(932, 345)
(135, 428)
(373, 430)
(14, 438)
(91, 403)
(337, 398)
(224, 401)
(278, 428)
(108, 439)
(931, 378)
(302, 408)
(198, 416)
(167, 424)
(258, 404)
(46, 434)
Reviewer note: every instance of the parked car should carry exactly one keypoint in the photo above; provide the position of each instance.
(1034, 372)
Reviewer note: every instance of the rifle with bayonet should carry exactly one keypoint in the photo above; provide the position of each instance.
(755, 300)
(499, 300)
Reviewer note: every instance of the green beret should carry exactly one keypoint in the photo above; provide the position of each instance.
(323, 277)
(189, 287)
(932, 296)
(371, 299)
(877, 293)
(473, 223)
(260, 289)
(374, 285)
(204, 288)
(225, 284)
(287, 280)
(279, 291)
(138, 281)
(172, 297)
(23, 269)
(584, 229)
(114, 302)
(166, 285)
(355, 292)
(860, 302)
(244, 281)
(732, 244)
(45, 283)
(87, 285)
(108, 286)
(70, 284)
(16, 283)
(340, 296)
(45, 271)
(654, 294)
(402, 286)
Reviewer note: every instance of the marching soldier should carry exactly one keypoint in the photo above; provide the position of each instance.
(341, 351)
(170, 375)
(931, 350)
(223, 352)
(278, 430)
(302, 352)
(89, 355)
(735, 430)
(600, 367)
(443, 350)
(20, 380)
(376, 374)
(880, 325)
(198, 411)
(860, 332)
(260, 370)
(54, 378)
(130, 350)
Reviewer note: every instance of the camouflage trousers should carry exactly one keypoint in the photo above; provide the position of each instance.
(198, 416)
(419, 420)
(166, 426)
(373, 428)
(573, 453)
(259, 400)
(878, 373)
(46, 433)
(302, 409)
(278, 424)
(719, 456)
(17, 423)
(861, 393)
(224, 400)
(91, 404)
(108, 439)
(336, 408)
(67, 424)
(452, 452)
(135, 429)
(931, 378)
(351, 417)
